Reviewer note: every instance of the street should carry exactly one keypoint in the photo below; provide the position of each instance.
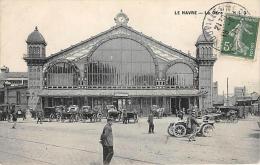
(78, 143)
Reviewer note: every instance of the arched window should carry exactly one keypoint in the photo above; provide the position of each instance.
(120, 62)
(38, 51)
(179, 74)
(62, 74)
(30, 50)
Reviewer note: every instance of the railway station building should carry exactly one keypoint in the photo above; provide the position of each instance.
(120, 66)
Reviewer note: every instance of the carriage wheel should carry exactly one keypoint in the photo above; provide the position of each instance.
(171, 130)
(179, 131)
(207, 130)
(58, 117)
(51, 117)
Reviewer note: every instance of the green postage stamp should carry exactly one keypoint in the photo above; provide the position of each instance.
(239, 36)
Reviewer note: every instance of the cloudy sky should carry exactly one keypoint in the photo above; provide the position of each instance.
(64, 23)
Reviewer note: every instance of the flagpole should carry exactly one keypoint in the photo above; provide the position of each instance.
(227, 93)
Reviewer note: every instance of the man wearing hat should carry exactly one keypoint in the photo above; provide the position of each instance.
(106, 140)
(192, 124)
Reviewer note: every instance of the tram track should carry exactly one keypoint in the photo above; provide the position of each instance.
(25, 157)
(69, 148)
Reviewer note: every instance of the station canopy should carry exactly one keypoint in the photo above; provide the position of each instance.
(120, 93)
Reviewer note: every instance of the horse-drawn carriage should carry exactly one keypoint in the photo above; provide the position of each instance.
(112, 112)
(129, 115)
(93, 114)
(20, 112)
(71, 113)
(48, 113)
(157, 111)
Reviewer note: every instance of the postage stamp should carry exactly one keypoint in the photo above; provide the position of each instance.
(213, 22)
(239, 36)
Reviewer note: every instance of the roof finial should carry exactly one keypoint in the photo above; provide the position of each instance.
(121, 11)
(36, 28)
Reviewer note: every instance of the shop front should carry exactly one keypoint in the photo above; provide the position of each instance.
(131, 100)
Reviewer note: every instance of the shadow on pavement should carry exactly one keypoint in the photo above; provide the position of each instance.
(255, 135)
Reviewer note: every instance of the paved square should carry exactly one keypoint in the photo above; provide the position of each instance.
(77, 143)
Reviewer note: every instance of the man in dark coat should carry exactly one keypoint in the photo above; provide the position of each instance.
(106, 140)
(39, 116)
(150, 122)
(192, 123)
(124, 116)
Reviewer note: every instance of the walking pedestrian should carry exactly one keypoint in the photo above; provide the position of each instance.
(14, 116)
(106, 140)
(150, 122)
(39, 116)
(124, 117)
(192, 124)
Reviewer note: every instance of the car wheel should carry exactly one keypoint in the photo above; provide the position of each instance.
(207, 130)
(179, 131)
(171, 130)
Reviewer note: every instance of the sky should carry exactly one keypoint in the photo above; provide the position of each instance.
(66, 22)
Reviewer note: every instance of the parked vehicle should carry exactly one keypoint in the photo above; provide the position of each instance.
(113, 112)
(229, 113)
(71, 113)
(20, 113)
(157, 111)
(58, 112)
(49, 113)
(132, 115)
(180, 129)
(92, 114)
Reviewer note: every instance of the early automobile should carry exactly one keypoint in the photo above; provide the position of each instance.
(180, 129)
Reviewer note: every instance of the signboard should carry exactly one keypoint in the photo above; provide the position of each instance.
(121, 95)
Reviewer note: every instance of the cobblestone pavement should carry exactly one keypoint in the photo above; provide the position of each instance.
(77, 143)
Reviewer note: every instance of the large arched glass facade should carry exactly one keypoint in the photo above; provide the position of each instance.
(61, 74)
(120, 62)
(179, 74)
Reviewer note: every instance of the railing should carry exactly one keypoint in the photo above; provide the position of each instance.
(121, 87)
(33, 56)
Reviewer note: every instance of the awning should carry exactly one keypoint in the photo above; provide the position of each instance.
(120, 92)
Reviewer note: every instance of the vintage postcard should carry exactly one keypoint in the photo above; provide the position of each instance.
(129, 82)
